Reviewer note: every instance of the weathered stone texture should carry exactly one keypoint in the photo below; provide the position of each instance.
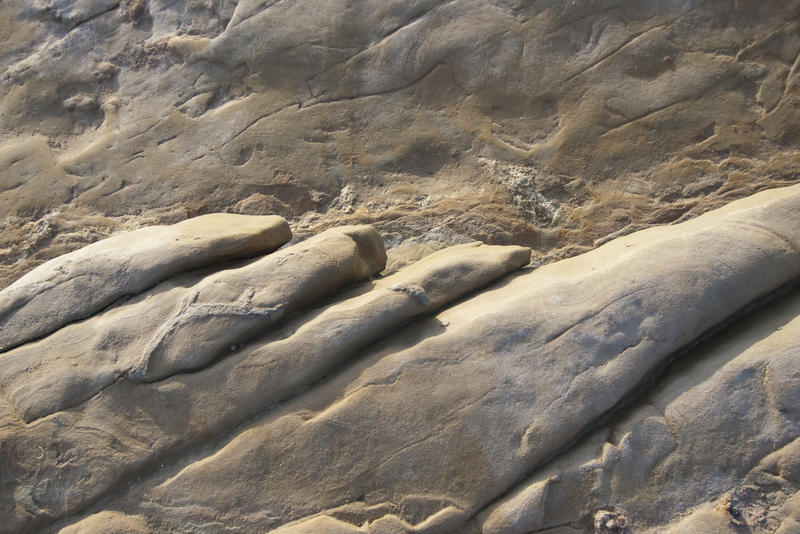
(549, 124)
(398, 405)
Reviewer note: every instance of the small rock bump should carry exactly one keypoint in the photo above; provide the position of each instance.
(104, 71)
(413, 290)
(610, 522)
(81, 102)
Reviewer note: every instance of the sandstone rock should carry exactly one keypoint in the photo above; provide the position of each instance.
(716, 443)
(181, 325)
(549, 124)
(225, 310)
(108, 522)
(441, 418)
(75, 12)
(246, 382)
(76, 285)
(407, 251)
(309, 406)
(567, 342)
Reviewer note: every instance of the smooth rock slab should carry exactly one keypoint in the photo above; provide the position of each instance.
(724, 419)
(105, 522)
(184, 324)
(345, 420)
(129, 426)
(227, 309)
(76, 285)
(450, 414)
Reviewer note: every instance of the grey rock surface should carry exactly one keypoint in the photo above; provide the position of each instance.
(441, 399)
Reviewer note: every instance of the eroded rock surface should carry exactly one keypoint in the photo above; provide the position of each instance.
(720, 429)
(189, 377)
(454, 395)
(184, 324)
(74, 286)
(550, 124)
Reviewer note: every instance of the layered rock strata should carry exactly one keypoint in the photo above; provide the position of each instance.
(182, 325)
(439, 398)
(74, 286)
(721, 429)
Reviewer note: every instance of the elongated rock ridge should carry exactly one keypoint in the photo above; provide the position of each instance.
(567, 342)
(264, 373)
(74, 286)
(302, 392)
(225, 310)
(181, 326)
(726, 425)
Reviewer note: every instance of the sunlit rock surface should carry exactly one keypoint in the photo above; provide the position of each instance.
(399, 266)
(650, 384)
(76, 285)
(551, 124)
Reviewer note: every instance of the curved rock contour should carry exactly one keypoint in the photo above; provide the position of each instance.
(76, 285)
(356, 413)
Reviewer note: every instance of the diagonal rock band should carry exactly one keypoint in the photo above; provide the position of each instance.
(242, 387)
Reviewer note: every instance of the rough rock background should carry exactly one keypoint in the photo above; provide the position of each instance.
(545, 123)
(538, 405)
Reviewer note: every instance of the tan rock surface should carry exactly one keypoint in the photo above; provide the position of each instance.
(348, 419)
(550, 124)
(76, 285)
(184, 324)
(182, 386)
(108, 522)
(720, 428)
(215, 399)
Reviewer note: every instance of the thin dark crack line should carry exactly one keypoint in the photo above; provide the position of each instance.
(627, 43)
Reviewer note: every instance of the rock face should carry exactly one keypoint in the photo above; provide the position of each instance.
(550, 124)
(182, 326)
(399, 266)
(458, 394)
(76, 285)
